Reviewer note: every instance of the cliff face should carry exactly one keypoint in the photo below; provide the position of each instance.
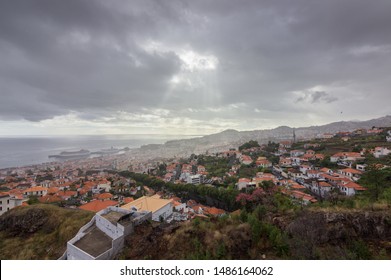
(340, 234)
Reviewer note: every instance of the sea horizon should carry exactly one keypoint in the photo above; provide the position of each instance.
(19, 151)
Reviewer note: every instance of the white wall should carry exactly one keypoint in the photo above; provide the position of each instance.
(74, 253)
(107, 227)
(180, 207)
(5, 204)
(164, 212)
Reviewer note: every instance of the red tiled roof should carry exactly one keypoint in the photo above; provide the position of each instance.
(97, 205)
(128, 200)
(35, 189)
(214, 211)
(53, 190)
(355, 186)
(176, 203)
(324, 184)
(246, 180)
(105, 196)
(351, 170)
(66, 193)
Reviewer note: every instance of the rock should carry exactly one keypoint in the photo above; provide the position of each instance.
(24, 222)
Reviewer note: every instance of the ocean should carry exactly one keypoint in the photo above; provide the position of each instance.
(18, 151)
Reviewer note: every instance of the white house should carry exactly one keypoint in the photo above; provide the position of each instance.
(346, 156)
(353, 174)
(243, 183)
(37, 190)
(313, 174)
(7, 202)
(104, 185)
(296, 153)
(381, 152)
(350, 188)
(179, 206)
(246, 160)
(361, 167)
(321, 188)
(388, 137)
(195, 179)
(304, 168)
(264, 163)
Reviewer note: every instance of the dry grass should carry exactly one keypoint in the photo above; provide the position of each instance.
(49, 241)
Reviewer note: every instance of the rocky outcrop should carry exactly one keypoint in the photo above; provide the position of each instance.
(337, 227)
(23, 222)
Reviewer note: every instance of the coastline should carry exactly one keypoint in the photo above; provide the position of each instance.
(29, 151)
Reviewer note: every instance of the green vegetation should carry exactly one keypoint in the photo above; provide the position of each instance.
(272, 147)
(216, 167)
(378, 183)
(217, 196)
(39, 231)
(248, 145)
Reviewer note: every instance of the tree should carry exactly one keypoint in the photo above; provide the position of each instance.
(248, 145)
(377, 181)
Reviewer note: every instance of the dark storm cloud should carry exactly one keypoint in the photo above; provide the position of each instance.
(90, 57)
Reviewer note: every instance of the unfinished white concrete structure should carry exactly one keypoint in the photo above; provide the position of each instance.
(103, 237)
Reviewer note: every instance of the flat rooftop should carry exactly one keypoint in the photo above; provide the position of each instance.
(95, 242)
(113, 217)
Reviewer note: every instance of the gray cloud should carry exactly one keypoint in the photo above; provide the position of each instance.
(316, 97)
(92, 57)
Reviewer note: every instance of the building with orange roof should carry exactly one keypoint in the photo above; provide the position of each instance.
(303, 197)
(7, 202)
(98, 205)
(264, 163)
(53, 190)
(380, 152)
(37, 191)
(285, 162)
(65, 195)
(127, 200)
(353, 174)
(213, 211)
(198, 209)
(313, 173)
(346, 156)
(243, 183)
(178, 206)
(104, 196)
(350, 188)
(319, 156)
(160, 208)
(246, 159)
(201, 168)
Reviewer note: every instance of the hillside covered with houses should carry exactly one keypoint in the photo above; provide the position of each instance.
(260, 187)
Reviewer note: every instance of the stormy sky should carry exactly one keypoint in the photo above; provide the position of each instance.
(190, 67)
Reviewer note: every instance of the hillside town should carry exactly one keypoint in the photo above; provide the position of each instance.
(305, 171)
